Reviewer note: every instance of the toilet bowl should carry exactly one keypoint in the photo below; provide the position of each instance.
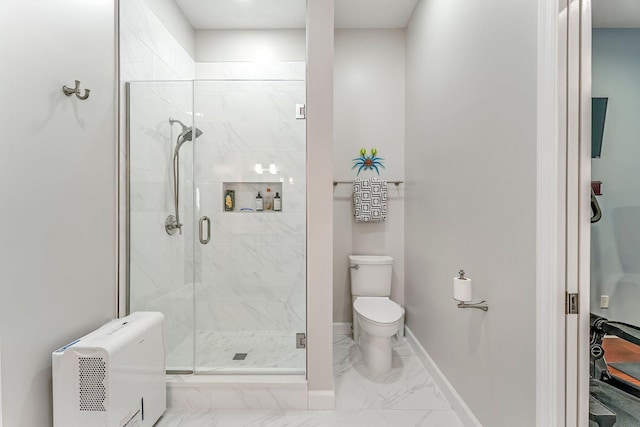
(376, 318)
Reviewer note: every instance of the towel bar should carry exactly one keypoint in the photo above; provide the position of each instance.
(396, 183)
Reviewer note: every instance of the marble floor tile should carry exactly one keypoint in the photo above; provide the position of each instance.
(406, 396)
(407, 386)
(420, 418)
(221, 418)
(350, 418)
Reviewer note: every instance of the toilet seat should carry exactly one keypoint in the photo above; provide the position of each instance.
(379, 310)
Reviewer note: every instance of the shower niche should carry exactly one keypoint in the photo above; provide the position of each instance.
(243, 288)
(246, 197)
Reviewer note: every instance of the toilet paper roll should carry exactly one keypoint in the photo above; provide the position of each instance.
(462, 289)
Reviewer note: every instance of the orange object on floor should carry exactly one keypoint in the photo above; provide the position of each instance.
(617, 350)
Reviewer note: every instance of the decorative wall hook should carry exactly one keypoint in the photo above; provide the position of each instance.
(68, 91)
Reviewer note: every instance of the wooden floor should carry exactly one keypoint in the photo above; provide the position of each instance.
(619, 350)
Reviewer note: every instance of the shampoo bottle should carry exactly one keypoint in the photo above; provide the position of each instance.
(277, 202)
(259, 202)
(268, 200)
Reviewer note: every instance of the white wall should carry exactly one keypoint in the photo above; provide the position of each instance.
(250, 45)
(470, 198)
(369, 102)
(174, 20)
(58, 186)
(251, 55)
(615, 239)
(319, 215)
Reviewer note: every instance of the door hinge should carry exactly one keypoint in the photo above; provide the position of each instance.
(301, 111)
(301, 340)
(571, 303)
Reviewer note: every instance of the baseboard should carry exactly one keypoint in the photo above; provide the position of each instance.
(322, 399)
(460, 408)
(342, 328)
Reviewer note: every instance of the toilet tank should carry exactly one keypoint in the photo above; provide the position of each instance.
(372, 278)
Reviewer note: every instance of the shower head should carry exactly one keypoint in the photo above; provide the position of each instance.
(185, 135)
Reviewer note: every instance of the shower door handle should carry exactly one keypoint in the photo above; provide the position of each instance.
(201, 227)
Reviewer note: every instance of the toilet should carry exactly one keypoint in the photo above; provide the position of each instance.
(375, 317)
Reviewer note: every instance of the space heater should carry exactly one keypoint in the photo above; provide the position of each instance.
(112, 377)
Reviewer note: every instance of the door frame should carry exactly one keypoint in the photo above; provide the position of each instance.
(563, 217)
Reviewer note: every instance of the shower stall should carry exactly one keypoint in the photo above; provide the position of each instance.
(229, 278)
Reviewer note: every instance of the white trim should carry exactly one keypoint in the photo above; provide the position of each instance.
(572, 209)
(584, 218)
(549, 286)
(322, 399)
(118, 181)
(461, 409)
(342, 328)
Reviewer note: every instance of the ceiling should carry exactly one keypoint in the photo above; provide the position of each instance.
(373, 13)
(616, 13)
(269, 14)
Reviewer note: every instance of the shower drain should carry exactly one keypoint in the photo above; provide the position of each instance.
(240, 356)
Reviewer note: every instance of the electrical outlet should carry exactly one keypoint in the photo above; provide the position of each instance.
(604, 301)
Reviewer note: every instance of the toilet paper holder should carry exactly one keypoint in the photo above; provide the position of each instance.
(482, 305)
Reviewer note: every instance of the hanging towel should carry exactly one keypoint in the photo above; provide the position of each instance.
(370, 199)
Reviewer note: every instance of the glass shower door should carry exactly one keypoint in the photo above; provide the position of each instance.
(250, 207)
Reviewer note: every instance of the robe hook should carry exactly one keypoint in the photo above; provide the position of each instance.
(68, 91)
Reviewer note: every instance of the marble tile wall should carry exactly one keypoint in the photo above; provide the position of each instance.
(290, 70)
(148, 51)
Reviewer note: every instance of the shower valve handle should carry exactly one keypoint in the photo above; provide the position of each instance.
(172, 224)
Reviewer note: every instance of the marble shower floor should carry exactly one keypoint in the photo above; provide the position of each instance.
(407, 396)
(267, 351)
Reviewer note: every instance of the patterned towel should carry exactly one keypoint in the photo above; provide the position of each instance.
(370, 199)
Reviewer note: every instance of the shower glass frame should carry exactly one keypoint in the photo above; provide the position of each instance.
(267, 283)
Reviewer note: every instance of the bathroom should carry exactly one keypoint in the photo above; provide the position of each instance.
(430, 98)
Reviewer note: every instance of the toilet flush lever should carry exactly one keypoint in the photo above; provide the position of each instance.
(356, 266)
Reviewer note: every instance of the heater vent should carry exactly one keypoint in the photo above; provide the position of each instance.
(92, 384)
